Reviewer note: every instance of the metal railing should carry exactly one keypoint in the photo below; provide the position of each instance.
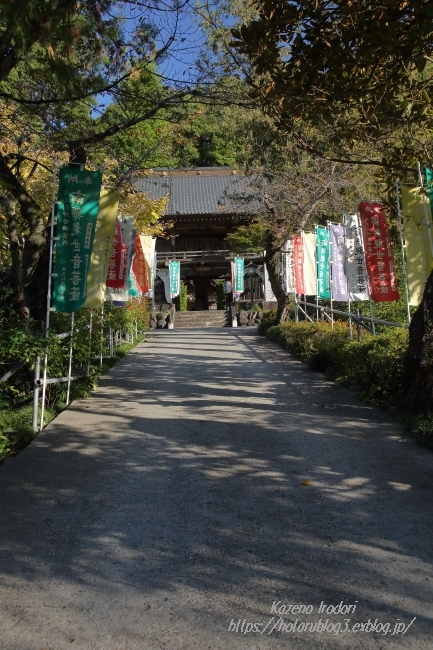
(356, 317)
(197, 256)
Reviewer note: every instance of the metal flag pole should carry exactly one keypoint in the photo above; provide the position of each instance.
(349, 301)
(111, 346)
(71, 342)
(427, 219)
(361, 239)
(50, 276)
(317, 273)
(371, 313)
(331, 269)
(303, 296)
(90, 339)
(102, 334)
(403, 255)
(36, 393)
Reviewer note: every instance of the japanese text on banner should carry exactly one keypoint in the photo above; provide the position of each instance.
(79, 192)
(287, 267)
(379, 254)
(298, 264)
(174, 269)
(339, 279)
(239, 275)
(356, 272)
(322, 256)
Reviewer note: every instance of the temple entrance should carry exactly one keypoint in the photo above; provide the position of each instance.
(201, 293)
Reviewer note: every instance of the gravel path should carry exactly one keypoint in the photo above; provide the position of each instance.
(212, 489)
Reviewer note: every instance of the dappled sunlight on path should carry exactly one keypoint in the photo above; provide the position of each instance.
(209, 475)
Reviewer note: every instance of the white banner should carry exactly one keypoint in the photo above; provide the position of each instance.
(287, 267)
(356, 271)
(269, 294)
(117, 295)
(164, 275)
(310, 275)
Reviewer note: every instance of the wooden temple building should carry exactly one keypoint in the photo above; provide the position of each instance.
(201, 211)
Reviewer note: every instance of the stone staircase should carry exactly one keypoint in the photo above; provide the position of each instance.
(200, 319)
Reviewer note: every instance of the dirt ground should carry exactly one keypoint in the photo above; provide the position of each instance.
(215, 494)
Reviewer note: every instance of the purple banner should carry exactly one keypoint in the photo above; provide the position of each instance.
(339, 279)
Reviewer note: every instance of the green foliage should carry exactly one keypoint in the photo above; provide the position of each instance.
(18, 343)
(87, 349)
(221, 295)
(15, 428)
(422, 430)
(183, 297)
(269, 319)
(249, 239)
(337, 67)
(373, 366)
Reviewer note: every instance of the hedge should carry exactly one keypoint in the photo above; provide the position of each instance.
(372, 366)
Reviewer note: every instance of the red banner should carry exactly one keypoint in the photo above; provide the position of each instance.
(379, 255)
(298, 264)
(139, 266)
(116, 276)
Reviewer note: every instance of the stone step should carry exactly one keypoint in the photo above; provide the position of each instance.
(210, 318)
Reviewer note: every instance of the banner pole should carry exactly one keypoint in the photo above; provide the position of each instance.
(50, 275)
(68, 390)
(349, 302)
(102, 333)
(427, 220)
(90, 339)
(317, 273)
(368, 279)
(36, 393)
(403, 255)
(331, 268)
(371, 313)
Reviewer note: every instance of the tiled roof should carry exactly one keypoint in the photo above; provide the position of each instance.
(200, 191)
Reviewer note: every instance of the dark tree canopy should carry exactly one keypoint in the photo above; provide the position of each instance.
(363, 68)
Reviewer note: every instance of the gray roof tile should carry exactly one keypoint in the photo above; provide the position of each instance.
(207, 194)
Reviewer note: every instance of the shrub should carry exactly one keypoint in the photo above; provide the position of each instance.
(221, 295)
(268, 320)
(183, 297)
(372, 366)
(422, 431)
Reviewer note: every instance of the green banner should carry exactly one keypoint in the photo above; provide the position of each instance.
(174, 268)
(429, 184)
(133, 292)
(76, 221)
(322, 257)
(239, 275)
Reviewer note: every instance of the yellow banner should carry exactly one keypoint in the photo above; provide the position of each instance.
(419, 258)
(148, 244)
(101, 251)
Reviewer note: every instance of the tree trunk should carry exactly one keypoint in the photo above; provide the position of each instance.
(275, 273)
(9, 206)
(31, 275)
(417, 383)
